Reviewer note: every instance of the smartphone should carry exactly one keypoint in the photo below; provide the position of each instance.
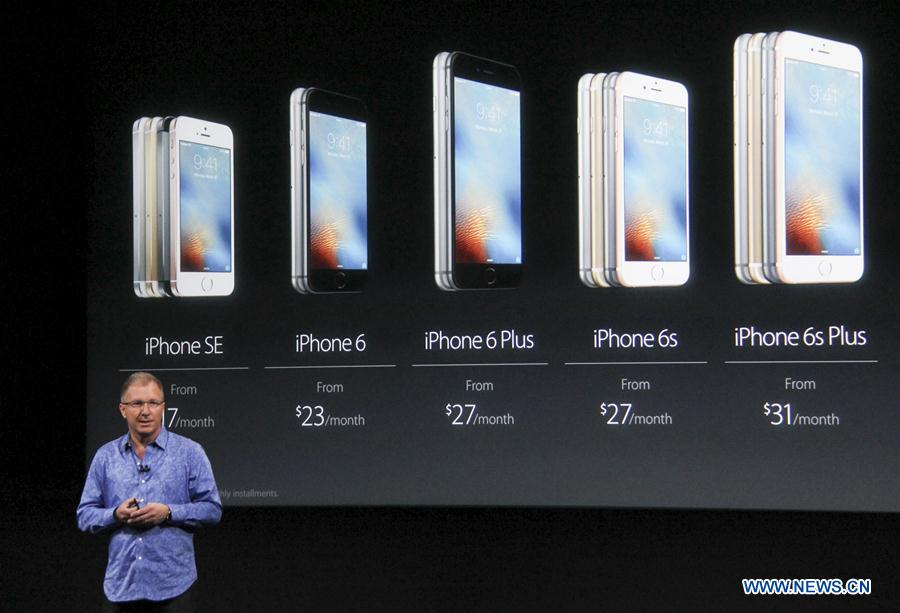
(750, 216)
(651, 182)
(596, 152)
(585, 132)
(478, 176)
(162, 281)
(598, 159)
(138, 181)
(818, 170)
(443, 224)
(151, 216)
(740, 95)
(756, 209)
(609, 180)
(767, 96)
(329, 193)
(201, 194)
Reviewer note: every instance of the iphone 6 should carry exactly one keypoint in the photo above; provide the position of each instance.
(329, 192)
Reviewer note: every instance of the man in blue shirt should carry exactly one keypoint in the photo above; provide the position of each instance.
(150, 488)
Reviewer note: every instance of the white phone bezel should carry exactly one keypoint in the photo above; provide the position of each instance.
(658, 273)
(812, 268)
(188, 129)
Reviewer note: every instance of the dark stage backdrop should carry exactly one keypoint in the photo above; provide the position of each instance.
(238, 66)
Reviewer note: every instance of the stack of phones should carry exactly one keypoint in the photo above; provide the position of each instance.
(632, 180)
(476, 108)
(183, 207)
(329, 192)
(798, 192)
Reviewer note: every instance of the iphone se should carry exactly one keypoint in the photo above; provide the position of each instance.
(201, 172)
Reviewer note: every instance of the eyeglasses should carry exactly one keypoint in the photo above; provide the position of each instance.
(139, 404)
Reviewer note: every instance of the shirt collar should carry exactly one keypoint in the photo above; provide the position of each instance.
(162, 440)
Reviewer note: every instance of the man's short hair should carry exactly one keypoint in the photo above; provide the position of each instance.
(141, 378)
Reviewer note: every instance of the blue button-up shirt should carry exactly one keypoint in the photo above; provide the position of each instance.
(154, 563)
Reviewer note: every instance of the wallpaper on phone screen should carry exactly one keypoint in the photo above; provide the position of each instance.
(337, 192)
(821, 159)
(205, 183)
(487, 185)
(655, 181)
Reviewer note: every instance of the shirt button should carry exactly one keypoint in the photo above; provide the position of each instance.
(140, 558)
(141, 539)
(143, 481)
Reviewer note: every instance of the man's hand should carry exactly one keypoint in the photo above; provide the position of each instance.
(126, 509)
(152, 514)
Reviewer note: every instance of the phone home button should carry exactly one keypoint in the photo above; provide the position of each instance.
(657, 272)
(490, 275)
(340, 280)
(824, 268)
(206, 284)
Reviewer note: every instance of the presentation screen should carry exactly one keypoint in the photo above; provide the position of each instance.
(709, 394)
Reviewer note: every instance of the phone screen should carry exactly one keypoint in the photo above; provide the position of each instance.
(655, 180)
(337, 192)
(487, 174)
(205, 185)
(821, 159)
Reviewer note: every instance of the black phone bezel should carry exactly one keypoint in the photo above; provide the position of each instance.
(323, 280)
(481, 275)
